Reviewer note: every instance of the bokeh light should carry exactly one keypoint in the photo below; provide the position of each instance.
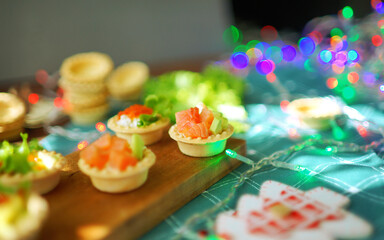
(347, 12)
(58, 102)
(336, 43)
(337, 32)
(33, 98)
(377, 40)
(325, 56)
(349, 93)
(353, 56)
(332, 83)
(268, 33)
(307, 46)
(271, 77)
(252, 44)
(101, 127)
(289, 53)
(309, 66)
(380, 8)
(239, 60)
(41, 76)
(337, 68)
(264, 67)
(283, 105)
(369, 79)
(232, 35)
(274, 53)
(381, 88)
(240, 48)
(81, 145)
(353, 34)
(263, 46)
(316, 36)
(353, 77)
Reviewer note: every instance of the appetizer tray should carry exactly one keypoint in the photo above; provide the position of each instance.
(80, 211)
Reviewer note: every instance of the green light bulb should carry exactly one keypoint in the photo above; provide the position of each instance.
(231, 153)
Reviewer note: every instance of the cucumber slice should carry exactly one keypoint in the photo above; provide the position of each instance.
(137, 145)
(216, 126)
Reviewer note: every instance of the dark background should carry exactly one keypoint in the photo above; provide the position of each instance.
(291, 14)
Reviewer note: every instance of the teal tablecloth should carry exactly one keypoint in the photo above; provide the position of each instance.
(358, 176)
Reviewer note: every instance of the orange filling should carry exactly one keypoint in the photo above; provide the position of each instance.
(135, 111)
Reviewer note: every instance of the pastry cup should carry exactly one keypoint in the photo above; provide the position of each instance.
(114, 181)
(83, 87)
(150, 134)
(316, 113)
(198, 147)
(12, 110)
(86, 116)
(86, 67)
(126, 82)
(86, 100)
(42, 181)
(28, 225)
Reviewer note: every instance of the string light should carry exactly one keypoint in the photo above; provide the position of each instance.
(81, 145)
(101, 127)
(331, 146)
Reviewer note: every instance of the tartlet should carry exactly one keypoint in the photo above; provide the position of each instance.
(89, 67)
(316, 113)
(114, 166)
(12, 116)
(88, 115)
(195, 144)
(151, 132)
(22, 215)
(42, 170)
(127, 81)
(85, 93)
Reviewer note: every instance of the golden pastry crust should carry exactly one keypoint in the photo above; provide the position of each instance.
(86, 67)
(43, 181)
(126, 82)
(176, 135)
(12, 109)
(83, 87)
(161, 123)
(85, 116)
(213, 145)
(28, 225)
(150, 134)
(315, 112)
(115, 181)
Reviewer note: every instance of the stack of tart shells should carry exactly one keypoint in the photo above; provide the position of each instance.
(85, 93)
(127, 81)
(12, 116)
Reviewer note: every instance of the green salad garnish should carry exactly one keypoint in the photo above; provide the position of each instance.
(161, 107)
(14, 157)
(215, 86)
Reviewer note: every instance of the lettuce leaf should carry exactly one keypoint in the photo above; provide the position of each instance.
(14, 157)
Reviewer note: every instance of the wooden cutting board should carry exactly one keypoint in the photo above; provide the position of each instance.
(79, 211)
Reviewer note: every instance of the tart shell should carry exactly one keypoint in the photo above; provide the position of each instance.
(27, 226)
(150, 134)
(213, 145)
(315, 113)
(114, 181)
(42, 181)
(86, 67)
